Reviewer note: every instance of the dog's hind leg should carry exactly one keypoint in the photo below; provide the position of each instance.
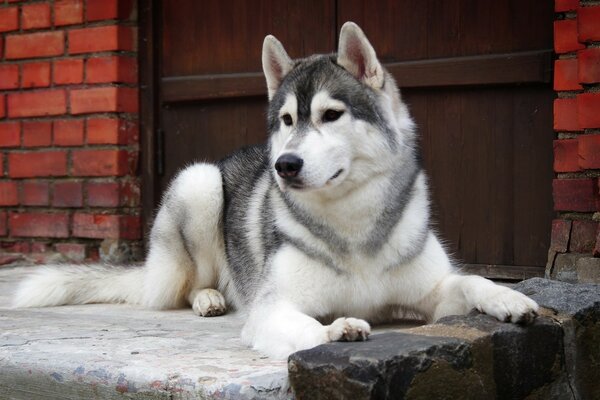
(186, 244)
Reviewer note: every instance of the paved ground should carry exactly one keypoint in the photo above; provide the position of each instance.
(121, 351)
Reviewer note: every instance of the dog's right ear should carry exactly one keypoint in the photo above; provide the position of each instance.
(276, 63)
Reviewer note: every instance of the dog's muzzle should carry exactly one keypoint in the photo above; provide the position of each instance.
(288, 166)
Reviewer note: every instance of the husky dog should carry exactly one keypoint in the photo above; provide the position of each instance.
(329, 219)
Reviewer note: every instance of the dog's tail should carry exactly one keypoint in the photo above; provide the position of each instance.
(80, 284)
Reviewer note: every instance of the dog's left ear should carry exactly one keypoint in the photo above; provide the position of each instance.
(358, 57)
(276, 63)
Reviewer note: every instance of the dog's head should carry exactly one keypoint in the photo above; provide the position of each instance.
(334, 120)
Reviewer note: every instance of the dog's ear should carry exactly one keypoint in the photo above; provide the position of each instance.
(358, 57)
(276, 63)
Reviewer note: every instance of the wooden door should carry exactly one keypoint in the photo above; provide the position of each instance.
(476, 75)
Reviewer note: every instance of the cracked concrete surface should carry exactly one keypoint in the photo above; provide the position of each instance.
(121, 351)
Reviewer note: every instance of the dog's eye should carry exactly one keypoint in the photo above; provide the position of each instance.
(287, 119)
(331, 115)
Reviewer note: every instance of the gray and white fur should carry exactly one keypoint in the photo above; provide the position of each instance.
(330, 218)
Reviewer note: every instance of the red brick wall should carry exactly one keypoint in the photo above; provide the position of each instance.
(575, 244)
(68, 130)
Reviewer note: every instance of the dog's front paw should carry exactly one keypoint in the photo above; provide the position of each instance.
(348, 330)
(209, 303)
(509, 306)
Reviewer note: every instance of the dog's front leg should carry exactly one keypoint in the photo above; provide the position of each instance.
(279, 329)
(458, 294)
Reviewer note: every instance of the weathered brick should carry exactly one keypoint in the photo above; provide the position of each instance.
(588, 23)
(565, 36)
(100, 163)
(2, 105)
(588, 65)
(566, 157)
(565, 75)
(35, 15)
(102, 38)
(111, 69)
(561, 232)
(37, 133)
(39, 44)
(34, 193)
(9, 194)
(98, 10)
(9, 19)
(68, 132)
(596, 251)
(565, 115)
(10, 134)
(68, 12)
(39, 225)
(589, 151)
(583, 236)
(3, 224)
(129, 193)
(103, 194)
(67, 194)
(38, 103)
(575, 194)
(42, 163)
(15, 246)
(73, 251)
(101, 226)
(69, 71)
(588, 105)
(111, 131)
(35, 75)
(565, 5)
(9, 76)
(106, 99)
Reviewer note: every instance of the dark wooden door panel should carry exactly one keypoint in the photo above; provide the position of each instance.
(476, 76)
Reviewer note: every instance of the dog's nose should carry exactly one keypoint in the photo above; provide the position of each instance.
(288, 166)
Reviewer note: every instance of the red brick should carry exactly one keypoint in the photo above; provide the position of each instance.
(35, 193)
(73, 251)
(9, 76)
(111, 131)
(588, 110)
(99, 226)
(35, 75)
(39, 225)
(103, 194)
(68, 132)
(44, 163)
(561, 232)
(6, 259)
(129, 194)
(38, 103)
(98, 10)
(102, 38)
(100, 163)
(106, 99)
(10, 134)
(68, 194)
(566, 157)
(589, 151)
(565, 5)
(3, 229)
(1, 164)
(565, 115)
(596, 251)
(111, 69)
(68, 71)
(35, 16)
(39, 247)
(588, 23)
(68, 12)
(37, 133)
(40, 44)
(575, 194)
(583, 236)
(15, 247)
(565, 75)
(565, 36)
(588, 70)
(8, 193)
(9, 19)
(2, 105)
